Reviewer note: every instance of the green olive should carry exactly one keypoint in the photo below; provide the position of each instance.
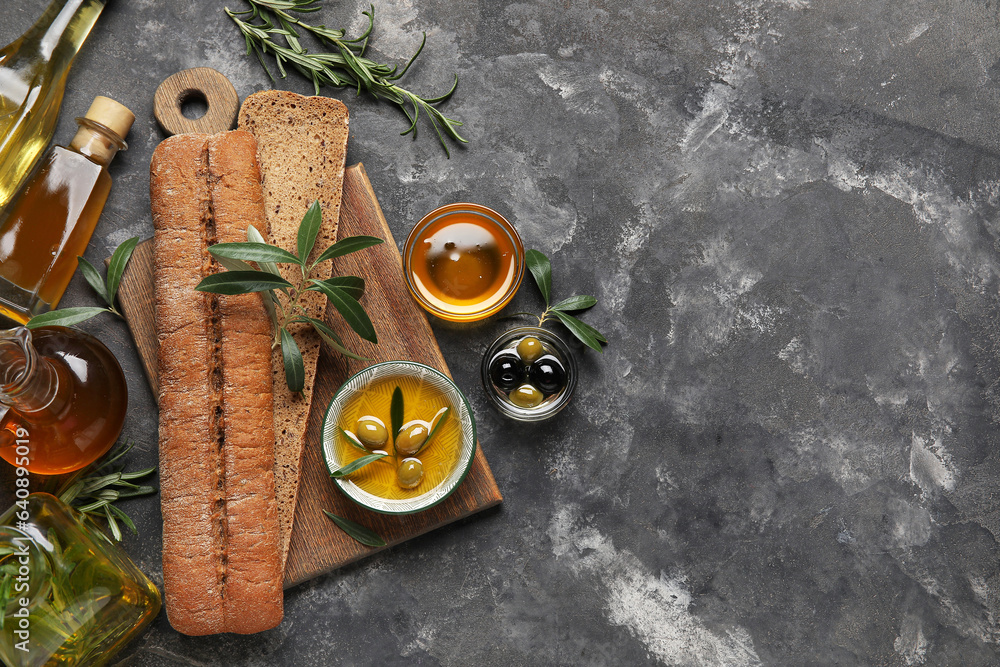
(529, 349)
(372, 432)
(526, 396)
(412, 436)
(410, 473)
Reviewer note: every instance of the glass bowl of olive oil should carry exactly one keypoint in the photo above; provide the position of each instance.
(529, 374)
(463, 262)
(409, 470)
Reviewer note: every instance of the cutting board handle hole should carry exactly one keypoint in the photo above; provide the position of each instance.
(200, 99)
(194, 104)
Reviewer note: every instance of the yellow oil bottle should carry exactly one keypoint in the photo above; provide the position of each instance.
(33, 71)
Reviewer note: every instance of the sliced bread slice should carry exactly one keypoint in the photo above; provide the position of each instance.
(301, 148)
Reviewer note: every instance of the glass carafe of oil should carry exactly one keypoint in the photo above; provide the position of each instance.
(68, 594)
(49, 223)
(63, 399)
(33, 71)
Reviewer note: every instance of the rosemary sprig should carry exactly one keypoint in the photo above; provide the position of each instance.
(272, 28)
(95, 489)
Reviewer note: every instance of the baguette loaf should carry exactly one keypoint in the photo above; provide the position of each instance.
(221, 565)
(302, 148)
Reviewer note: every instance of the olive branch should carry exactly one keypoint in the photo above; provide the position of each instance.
(107, 289)
(541, 270)
(344, 292)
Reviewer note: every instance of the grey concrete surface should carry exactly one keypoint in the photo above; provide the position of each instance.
(788, 210)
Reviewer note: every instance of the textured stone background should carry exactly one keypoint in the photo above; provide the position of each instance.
(788, 211)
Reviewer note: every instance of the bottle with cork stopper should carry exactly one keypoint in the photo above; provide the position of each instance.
(49, 222)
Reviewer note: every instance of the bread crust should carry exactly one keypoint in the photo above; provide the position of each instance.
(221, 564)
(302, 151)
(188, 476)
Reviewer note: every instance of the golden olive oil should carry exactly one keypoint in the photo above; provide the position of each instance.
(33, 71)
(421, 400)
(84, 599)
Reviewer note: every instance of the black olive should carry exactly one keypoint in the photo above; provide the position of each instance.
(548, 374)
(506, 371)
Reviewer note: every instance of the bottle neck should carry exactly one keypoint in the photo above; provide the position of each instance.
(64, 27)
(97, 142)
(28, 382)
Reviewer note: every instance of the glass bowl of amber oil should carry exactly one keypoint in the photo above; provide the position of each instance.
(529, 374)
(463, 262)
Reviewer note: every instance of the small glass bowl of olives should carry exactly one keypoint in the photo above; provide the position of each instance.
(529, 374)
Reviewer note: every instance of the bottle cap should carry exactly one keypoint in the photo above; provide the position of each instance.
(111, 114)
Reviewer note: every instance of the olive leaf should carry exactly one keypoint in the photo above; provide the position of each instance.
(116, 267)
(64, 317)
(350, 310)
(308, 229)
(107, 290)
(445, 413)
(255, 236)
(584, 327)
(351, 439)
(332, 339)
(253, 251)
(94, 279)
(295, 370)
(396, 412)
(241, 282)
(348, 245)
(234, 264)
(356, 465)
(574, 303)
(352, 285)
(356, 531)
(587, 334)
(541, 269)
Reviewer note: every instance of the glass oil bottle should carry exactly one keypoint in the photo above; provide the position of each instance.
(49, 223)
(68, 594)
(33, 71)
(63, 399)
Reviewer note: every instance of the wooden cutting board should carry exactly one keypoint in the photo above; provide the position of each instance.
(318, 546)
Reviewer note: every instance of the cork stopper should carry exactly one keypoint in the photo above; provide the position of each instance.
(112, 115)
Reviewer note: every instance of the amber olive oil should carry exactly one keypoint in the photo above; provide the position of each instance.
(67, 391)
(463, 262)
(421, 401)
(49, 224)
